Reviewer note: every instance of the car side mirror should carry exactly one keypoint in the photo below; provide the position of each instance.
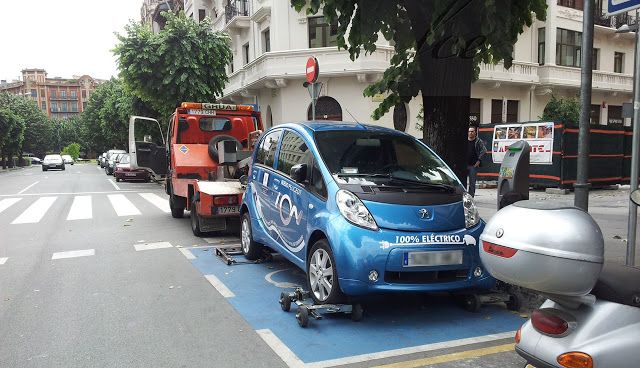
(635, 197)
(299, 173)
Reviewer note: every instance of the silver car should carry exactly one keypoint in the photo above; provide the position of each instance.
(52, 162)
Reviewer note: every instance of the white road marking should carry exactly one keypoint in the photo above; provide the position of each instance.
(283, 351)
(74, 254)
(161, 203)
(406, 351)
(3, 260)
(149, 246)
(36, 211)
(64, 193)
(6, 203)
(114, 184)
(81, 208)
(122, 205)
(222, 289)
(27, 188)
(223, 240)
(187, 253)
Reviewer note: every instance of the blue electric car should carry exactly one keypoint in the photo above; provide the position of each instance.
(361, 209)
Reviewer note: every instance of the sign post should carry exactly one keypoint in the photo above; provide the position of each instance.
(312, 72)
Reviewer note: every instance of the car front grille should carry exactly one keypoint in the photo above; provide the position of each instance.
(425, 277)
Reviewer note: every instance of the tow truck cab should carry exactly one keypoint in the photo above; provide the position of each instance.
(207, 150)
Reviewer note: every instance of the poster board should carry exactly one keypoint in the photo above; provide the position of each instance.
(538, 135)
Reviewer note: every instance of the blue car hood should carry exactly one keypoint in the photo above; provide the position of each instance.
(443, 217)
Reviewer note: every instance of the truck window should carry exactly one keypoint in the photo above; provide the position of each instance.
(208, 124)
(267, 150)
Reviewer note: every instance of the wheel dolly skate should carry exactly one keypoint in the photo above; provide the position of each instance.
(226, 253)
(308, 309)
(499, 294)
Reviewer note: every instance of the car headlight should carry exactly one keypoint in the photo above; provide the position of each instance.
(471, 215)
(352, 208)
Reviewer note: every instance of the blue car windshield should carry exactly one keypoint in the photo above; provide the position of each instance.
(377, 158)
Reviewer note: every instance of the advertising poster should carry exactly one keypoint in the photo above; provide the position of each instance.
(538, 135)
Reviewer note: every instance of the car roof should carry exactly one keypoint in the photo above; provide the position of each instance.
(327, 125)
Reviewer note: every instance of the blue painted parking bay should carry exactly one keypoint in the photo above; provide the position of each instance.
(391, 322)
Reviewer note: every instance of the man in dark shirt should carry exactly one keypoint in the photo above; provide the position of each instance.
(475, 152)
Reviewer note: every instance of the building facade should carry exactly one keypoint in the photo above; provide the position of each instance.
(271, 43)
(60, 98)
(151, 12)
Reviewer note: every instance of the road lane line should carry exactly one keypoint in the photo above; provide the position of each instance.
(222, 289)
(25, 189)
(74, 254)
(187, 253)
(161, 203)
(6, 203)
(280, 348)
(36, 211)
(122, 205)
(451, 357)
(3, 260)
(114, 184)
(65, 193)
(412, 350)
(80, 209)
(149, 246)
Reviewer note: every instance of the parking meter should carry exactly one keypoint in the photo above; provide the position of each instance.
(513, 180)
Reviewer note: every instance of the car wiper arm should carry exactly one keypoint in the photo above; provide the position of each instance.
(447, 187)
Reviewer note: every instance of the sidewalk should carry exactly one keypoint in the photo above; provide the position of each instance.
(609, 207)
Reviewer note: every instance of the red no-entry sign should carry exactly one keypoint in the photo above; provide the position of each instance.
(313, 70)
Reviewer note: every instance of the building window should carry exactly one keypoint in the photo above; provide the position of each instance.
(594, 59)
(568, 48)
(474, 111)
(63, 94)
(327, 108)
(245, 54)
(266, 41)
(231, 65)
(618, 62)
(84, 94)
(615, 115)
(575, 4)
(400, 117)
(34, 93)
(74, 95)
(52, 93)
(541, 37)
(321, 33)
(511, 115)
(594, 115)
(63, 106)
(44, 106)
(74, 106)
(84, 106)
(512, 111)
(42, 93)
(54, 106)
(496, 111)
(201, 15)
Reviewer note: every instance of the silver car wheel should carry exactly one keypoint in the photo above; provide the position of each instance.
(246, 235)
(321, 274)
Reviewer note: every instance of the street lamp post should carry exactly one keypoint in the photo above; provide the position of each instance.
(635, 145)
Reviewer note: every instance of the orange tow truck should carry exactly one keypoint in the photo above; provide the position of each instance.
(203, 159)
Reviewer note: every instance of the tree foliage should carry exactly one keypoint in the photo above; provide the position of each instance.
(72, 150)
(184, 62)
(566, 110)
(360, 23)
(23, 127)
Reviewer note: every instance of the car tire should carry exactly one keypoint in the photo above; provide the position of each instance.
(177, 211)
(195, 221)
(250, 248)
(44, 169)
(324, 288)
(117, 179)
(62, 167)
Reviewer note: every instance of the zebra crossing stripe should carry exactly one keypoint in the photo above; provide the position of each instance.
(122, 205)
(8, 202)
(80, 209)
(36, 211)
(161, 203)
(3, 260)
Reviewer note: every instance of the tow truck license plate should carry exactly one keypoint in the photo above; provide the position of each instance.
(227, 210)
(202, 112)
(433, 258)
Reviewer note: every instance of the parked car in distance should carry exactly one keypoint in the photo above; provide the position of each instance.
(361, 210)
(34, 160)
(67, 159)
(109, 155)
(124, 172)
(111, 163)
(52, 162)
(99, 159)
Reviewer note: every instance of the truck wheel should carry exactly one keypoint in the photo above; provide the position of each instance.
(250, 248)
(177, 211)
(195, 221)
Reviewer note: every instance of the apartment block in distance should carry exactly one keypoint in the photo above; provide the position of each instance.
(60, 98)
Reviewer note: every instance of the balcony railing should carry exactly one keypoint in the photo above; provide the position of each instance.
(613, 21)
(236, 8)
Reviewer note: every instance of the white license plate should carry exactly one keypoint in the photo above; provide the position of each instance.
(130, 174)
(202, 112)
(227, 210)
(432, 258)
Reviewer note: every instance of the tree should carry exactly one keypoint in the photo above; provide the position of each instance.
(24, 132)
(8, 123)
(439, 45)
(72, 150)
(185, 62)
(564, 110)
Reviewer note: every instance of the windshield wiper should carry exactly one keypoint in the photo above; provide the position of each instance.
(446, 187)
(362, 175)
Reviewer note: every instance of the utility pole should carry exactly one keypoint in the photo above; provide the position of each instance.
(581, 186)
(635, 146)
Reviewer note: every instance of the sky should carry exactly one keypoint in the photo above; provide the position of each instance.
(64, 37)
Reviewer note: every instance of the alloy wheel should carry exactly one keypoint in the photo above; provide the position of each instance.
(321, 274)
